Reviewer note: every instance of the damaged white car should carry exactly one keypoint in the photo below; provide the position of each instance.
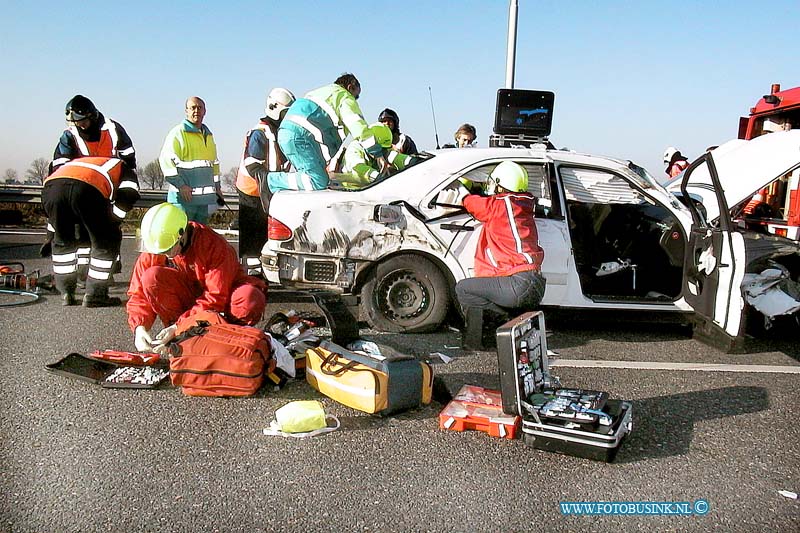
(613, 237)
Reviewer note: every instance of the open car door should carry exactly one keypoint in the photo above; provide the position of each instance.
(714, 264)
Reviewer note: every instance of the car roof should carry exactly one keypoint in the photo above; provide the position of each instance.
(416, 181)
(459, 158)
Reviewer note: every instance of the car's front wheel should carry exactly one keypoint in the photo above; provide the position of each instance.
(405, 294)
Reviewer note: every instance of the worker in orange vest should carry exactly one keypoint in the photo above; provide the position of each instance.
(261, 156)
(92, 194)
(89, 133)
(92, 134)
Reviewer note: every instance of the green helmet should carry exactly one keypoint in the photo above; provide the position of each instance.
(510, 176)
(162, 227)
(382, 134)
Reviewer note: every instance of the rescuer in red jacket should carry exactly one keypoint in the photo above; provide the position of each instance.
(187, 268)
(508, 257)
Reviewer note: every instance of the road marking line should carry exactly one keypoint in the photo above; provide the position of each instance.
(701, 367)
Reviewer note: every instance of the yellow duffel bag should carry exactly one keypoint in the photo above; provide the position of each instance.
(380, 384)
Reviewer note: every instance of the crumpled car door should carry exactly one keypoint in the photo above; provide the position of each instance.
(714, 265)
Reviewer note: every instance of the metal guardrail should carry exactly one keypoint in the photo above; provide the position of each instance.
(33, 194)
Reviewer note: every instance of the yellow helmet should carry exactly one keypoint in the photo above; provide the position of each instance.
(382, 134)
(162, 227)
(510, 176)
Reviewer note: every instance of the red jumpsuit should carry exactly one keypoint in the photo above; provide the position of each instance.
(206, 275)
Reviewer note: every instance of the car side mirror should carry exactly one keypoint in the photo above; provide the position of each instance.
(387, 214)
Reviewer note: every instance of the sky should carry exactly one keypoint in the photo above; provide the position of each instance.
(630, 78)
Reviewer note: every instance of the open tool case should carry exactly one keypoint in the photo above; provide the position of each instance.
(583, 423)
(110, 374)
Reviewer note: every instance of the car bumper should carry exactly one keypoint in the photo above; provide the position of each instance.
(309, 271)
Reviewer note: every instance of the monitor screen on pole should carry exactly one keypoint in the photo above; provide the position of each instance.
(524, 112)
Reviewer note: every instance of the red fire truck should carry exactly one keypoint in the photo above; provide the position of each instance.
(777, 206)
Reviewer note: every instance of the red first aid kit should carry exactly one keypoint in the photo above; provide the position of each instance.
(202, 318)
(113, 369)
(220, 360)
(127, 358)
(479, 409)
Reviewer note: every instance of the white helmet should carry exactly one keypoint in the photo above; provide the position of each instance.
(278, 100)
(668, 153)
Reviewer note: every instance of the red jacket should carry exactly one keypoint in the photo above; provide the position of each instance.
(677, 167)
(508, 242)
(210, 262)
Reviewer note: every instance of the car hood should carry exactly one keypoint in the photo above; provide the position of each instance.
(744, 167)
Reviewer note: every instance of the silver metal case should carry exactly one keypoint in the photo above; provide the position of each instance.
(525, 374)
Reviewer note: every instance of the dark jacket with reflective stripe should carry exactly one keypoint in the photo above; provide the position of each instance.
(105, 138)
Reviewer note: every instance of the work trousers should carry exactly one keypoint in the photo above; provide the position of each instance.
(195, 213)
(78, 212)
(300, 147)
(502, 293)
(171, 293)
(252, 232)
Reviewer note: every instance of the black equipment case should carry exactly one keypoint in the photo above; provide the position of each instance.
(583, 423)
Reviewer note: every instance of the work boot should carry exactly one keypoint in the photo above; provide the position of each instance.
(46, 249)
(100, 300)
(471, 336)
(491, 321)
(480, 329)
(68, 298)
(83, 274)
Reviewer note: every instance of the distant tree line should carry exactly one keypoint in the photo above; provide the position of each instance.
(35, 174)
(150, 175)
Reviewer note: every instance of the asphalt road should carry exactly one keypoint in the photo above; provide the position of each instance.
(75, 457)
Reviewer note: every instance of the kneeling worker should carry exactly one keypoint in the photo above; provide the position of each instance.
(508, 257)
(187, 268)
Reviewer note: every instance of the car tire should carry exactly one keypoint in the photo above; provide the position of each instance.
(405, 294)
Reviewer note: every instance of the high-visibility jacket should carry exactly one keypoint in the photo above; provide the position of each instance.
(509, 242)
(210, 265)
(189, 157)
(111, 141)
(330, 113)
(260, 148)
(107, 175)
(361, 165)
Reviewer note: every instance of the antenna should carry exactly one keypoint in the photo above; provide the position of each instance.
(435, 131)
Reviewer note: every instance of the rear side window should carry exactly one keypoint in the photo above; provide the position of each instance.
(597, 187)
(538, 184)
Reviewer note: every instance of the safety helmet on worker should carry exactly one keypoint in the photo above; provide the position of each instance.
(80, 108)
(278, 99)
(162, 227)
(390, 115)
(382, 134)
(510, 176)
(669, 153)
